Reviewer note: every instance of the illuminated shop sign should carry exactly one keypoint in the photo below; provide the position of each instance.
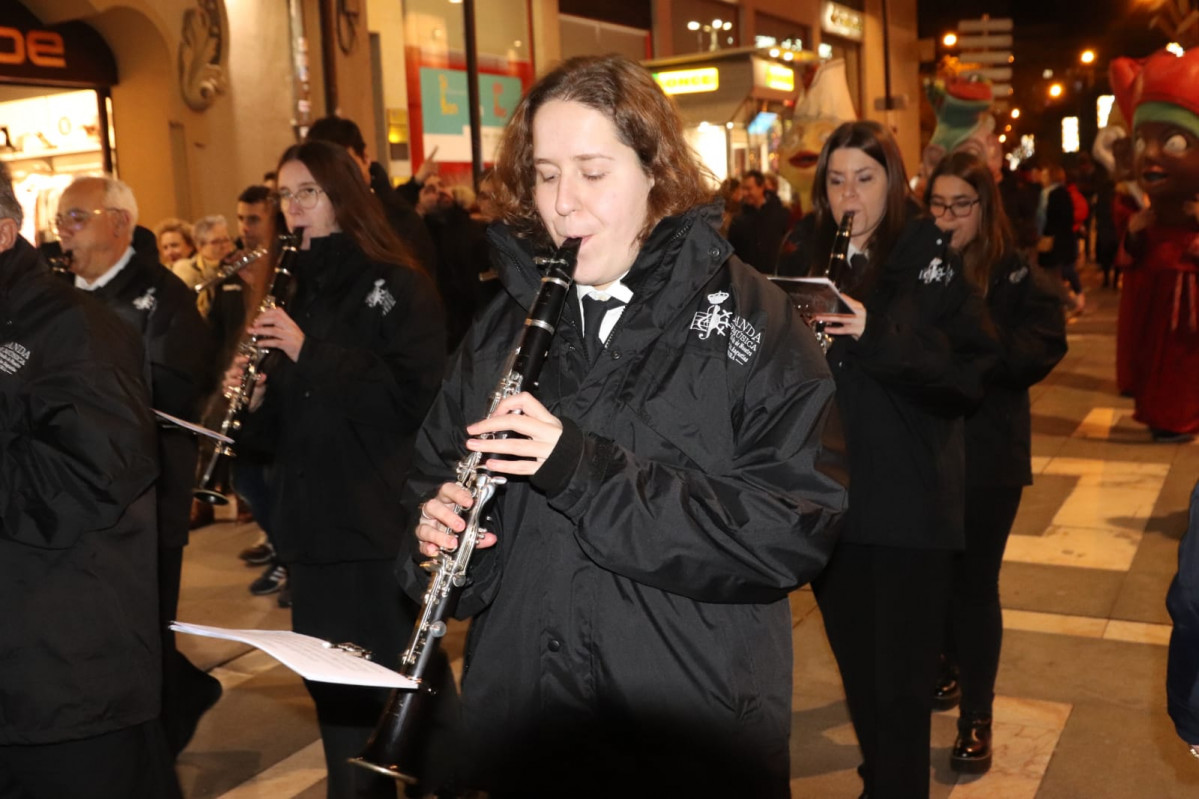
(843, 21)
(689, 81)
(780, 77)
(69, 54)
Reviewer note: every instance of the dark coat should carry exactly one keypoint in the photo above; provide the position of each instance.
(904, 388)
(1182, 671)
(79, 642)
(634, 617)
(1027, 314)
(178, 347)
(339, 422)
(403, 218)
(757, 233)
(1059, 224)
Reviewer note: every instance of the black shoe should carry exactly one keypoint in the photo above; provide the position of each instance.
(972, 749)
(947, 692)
(258, 555)
(1170, 437)
(198, 700)
(284, 598)
(271, 581)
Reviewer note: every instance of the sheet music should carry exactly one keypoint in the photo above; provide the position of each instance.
(813, 295)
(192, 428)
(309, 657)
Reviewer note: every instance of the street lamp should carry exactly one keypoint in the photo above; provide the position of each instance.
(1015, 113)
(714, 29)
(950, 39)
(1055, 90)
(1087, 57)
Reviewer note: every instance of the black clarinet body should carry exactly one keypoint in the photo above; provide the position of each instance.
(213, 487)
(836, 269)
(395, 746)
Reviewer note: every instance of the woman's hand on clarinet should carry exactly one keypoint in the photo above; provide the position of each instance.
(845, 324)
(278, 331)
(537, 429)
(439, 524)
(231, 383)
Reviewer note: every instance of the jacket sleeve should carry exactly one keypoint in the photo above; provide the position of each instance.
(181, 351)
(1182, 670)
(78, 441)
(939, 360)
(396, 381)
(751, 533)
(1034, 340)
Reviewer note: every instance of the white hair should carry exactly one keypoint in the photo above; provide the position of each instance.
(206, 225)
(117, 194)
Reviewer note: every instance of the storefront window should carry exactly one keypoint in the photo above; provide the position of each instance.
(771, 31)
(435, 61)
(704, 26)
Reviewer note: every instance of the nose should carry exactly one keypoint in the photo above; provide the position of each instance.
(564, 201)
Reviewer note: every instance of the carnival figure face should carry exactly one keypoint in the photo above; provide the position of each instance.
(1166, 162)
(800, 152)
(305, 203)
(589, 185)
(856, 182)
(955, 207)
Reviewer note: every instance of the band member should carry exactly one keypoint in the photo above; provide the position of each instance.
(676, 475)
(1026, 312)
(95, 222)
(361, 352)
(79, 642)
(909, 363)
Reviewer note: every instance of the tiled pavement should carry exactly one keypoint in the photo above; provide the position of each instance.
(1081, 689)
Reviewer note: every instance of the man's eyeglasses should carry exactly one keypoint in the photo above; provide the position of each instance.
(306, 197)
(74, 220)
(956, 209)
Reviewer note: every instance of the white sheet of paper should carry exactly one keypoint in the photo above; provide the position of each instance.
(309, 657)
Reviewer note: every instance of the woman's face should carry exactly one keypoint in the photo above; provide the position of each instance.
(856, 182)
(172, 246)
(305, 203)
(589, 185)
(956, 209)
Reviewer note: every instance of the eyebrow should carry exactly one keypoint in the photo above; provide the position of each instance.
(858, 171)
(580, 158)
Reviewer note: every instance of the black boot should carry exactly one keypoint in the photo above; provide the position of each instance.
(972, 749)
(947, 692)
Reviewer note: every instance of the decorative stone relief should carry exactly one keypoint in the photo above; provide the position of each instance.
(202, 47)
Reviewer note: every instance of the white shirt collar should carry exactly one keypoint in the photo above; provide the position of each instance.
(616, 290)
(107, 277)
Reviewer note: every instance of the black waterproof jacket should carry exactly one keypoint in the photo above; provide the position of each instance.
(632, 632)
(756, 233)
(339, 422)
(178, 346)
(904, 387)
(1026, 312)
(79, 642)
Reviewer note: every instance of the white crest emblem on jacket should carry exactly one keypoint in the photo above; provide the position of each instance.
(1018, 275)
(380, 297)
(713, 320)
(936, 272)
(12, 357)
(147, 301)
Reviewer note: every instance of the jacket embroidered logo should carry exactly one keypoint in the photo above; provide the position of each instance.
(12, 357)
(743, 340)
(936, 272)
(380, 297)
(146, 302)
(713, 320)
(1018, 275)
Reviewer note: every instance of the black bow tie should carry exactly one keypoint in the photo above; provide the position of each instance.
(594, 310)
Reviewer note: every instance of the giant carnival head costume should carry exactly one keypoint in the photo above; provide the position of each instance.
(962, 103)
(1160, 95)
(824, 104)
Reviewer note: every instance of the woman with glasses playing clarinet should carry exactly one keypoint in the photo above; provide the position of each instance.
(908, 364)
(1026, 312)
(359, 354)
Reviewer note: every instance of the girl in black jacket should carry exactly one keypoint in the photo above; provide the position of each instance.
(362, 348)
(1026, 313)
(908, 364)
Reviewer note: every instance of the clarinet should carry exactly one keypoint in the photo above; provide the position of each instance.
(213, 487)
(394, 747)
(835, 269)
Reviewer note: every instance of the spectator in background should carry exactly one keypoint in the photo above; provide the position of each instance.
(213, 245)
(758, 230)
(175, 241)
(1058, 246)
(730, 192)
(462, 255)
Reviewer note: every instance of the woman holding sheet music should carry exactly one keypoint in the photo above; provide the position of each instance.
(908, 364)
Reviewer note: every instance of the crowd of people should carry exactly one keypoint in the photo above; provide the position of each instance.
(688, 457)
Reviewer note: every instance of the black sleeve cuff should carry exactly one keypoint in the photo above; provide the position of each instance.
(555, 474)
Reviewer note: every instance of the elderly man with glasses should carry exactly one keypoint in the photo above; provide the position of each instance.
(95, 222)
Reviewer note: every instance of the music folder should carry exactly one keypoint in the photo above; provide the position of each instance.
(813, 295)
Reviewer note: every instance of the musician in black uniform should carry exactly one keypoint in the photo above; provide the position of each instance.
(678, 472)
(361, 351)
(96, 221)
(909, 364)
(79, 643)
(1025, 308)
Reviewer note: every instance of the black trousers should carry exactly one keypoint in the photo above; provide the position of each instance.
(361, 602)
(975, 630)
(884, 613)
(132, 763)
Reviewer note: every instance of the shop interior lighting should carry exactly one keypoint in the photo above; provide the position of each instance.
(1103, 109)
(1015, 113)
(1069, 134)
(1047, 74)
(774, 52)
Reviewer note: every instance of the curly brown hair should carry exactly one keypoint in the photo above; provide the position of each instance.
(646, 120)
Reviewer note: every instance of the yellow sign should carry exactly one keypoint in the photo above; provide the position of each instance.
(689, 81)
(780, 77)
